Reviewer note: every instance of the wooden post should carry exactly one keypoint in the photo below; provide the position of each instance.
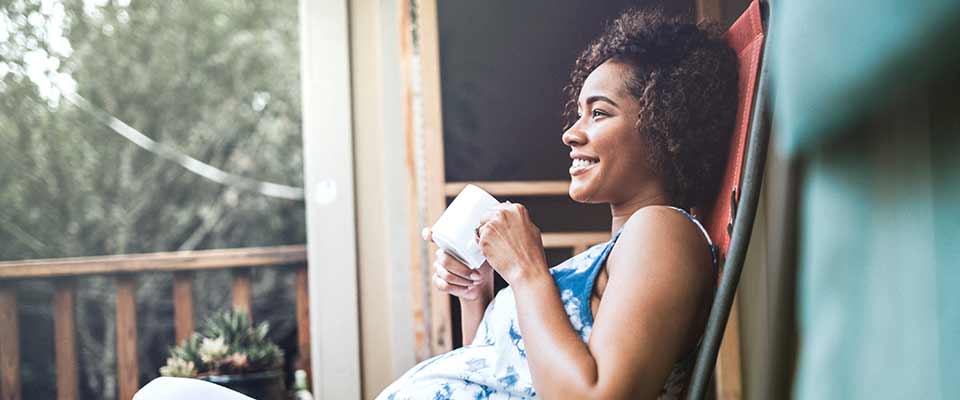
(418, 274)
(242, 294)
(65, 334)
(128, 369)
(9, 344)
(729, 380)
(303, 318)
(183, 305)
(441, 333)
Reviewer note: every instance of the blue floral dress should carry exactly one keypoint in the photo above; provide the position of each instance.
(495, 365)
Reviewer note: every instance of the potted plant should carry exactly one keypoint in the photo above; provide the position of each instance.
(231, 352)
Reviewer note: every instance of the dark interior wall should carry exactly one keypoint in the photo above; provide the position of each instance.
(503, 66)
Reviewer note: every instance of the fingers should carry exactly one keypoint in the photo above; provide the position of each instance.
(452, 277)
(454, 267)
(446, 276)
(481, 232)
(489, 215)
(456, 290)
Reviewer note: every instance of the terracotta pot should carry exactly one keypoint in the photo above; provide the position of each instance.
(267, 385)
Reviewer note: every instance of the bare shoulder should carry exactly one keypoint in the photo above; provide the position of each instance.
(660, 275)
(661, 236)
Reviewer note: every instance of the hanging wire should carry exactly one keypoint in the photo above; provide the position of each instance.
(191, 164)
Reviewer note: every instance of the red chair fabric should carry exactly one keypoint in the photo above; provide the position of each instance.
(746, 38)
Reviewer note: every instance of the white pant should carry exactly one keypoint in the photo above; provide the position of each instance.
(164, 388)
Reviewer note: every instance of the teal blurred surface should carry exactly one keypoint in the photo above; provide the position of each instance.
(836, 61)
(880, 228)
(867, 99)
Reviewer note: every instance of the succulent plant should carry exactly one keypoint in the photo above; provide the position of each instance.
(212, 350)
(178, 367)
(227, 344)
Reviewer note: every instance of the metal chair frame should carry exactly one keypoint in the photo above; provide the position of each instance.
(751, 180)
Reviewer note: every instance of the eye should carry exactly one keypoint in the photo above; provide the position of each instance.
(598, 113)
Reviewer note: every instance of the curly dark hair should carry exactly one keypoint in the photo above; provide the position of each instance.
(685, 78)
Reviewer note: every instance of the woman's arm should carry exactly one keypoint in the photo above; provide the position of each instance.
(473, 304)
(471, 313)
(651, 312)
(474, 288)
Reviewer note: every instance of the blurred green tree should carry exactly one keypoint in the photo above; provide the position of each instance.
(217, 80)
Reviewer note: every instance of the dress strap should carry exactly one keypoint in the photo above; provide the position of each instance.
(710, 245)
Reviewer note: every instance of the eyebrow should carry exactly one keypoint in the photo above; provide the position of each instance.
(592, 99)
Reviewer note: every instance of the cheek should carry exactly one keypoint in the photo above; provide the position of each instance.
(625, 148)
(633, 148)
(628, 161)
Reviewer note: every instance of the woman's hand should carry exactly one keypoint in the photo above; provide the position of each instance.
(512, 243)
(453, 277)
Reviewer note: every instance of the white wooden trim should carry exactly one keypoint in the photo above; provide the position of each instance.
(386, 330)
(329, 183)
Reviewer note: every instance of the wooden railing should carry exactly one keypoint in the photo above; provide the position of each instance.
(124, 269)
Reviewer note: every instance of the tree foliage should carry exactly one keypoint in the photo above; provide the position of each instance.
(217, 80)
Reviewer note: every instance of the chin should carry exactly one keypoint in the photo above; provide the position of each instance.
(580, 194)
(574, 196)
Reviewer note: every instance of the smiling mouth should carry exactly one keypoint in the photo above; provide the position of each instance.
(580, 166)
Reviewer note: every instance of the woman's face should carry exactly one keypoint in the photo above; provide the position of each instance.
(609, 163)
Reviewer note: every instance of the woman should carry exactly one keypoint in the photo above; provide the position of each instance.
(651, 105)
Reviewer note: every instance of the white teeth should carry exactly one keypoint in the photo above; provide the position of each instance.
(579, 162)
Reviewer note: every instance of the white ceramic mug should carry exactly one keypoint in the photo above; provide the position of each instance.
(455, 231)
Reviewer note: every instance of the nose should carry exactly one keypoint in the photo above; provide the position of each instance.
(574, 136)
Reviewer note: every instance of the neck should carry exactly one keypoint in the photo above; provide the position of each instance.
(622, 211)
